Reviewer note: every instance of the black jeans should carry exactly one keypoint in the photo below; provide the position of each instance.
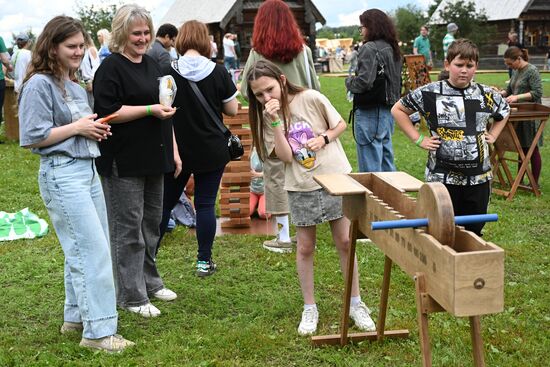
(133, 210)
(468, 200)
(206, 190)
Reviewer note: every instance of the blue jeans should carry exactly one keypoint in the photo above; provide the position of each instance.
(207, 185)
(72, 194)
(373, 130)
(229, 63)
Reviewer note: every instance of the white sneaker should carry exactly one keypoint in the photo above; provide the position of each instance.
(360, 314)
(111, 344)
(165, 294)
(308, 325)
(274, 245)
(147, 310)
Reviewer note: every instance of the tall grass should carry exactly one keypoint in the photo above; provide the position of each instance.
(247, 313)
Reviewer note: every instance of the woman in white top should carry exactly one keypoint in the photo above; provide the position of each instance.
(21, 60)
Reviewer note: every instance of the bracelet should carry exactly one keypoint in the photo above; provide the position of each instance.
(419, 140)
(148, 110)
(276, 123)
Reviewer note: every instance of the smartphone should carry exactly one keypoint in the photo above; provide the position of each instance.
(106, 119)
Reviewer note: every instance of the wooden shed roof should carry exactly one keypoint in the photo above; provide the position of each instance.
(220, 11)
(496, 10)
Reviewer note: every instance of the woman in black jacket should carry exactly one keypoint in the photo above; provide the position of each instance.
(374, 124)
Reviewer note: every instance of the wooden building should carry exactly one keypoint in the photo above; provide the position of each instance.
(529, 18)
(237, 16)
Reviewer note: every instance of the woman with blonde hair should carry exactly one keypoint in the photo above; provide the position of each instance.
(104, 37)
(133, 162)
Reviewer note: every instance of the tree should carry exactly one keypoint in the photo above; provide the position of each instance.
(472, 24)
(95, 17)
(408, 20)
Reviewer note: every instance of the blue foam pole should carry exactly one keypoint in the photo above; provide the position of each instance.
(423, 222)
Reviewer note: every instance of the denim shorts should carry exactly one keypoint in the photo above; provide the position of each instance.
(313, 207)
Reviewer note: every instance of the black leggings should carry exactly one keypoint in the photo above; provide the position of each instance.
(206, 191)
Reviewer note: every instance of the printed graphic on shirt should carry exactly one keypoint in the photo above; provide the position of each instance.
(464, 151)
(450, 111)
(299, 133)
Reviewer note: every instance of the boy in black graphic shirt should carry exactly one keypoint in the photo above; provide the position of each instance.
(457, 111)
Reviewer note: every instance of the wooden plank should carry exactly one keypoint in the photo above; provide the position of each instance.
(236, 177)
(235, 222)
(234, 188)
(334, 339)
(340, 184)
(239, 195)
(234, 200)
(400, 180)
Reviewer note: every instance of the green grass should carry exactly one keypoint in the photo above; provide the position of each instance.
(247, 313)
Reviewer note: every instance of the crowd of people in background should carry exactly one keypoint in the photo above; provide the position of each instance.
(109, 188)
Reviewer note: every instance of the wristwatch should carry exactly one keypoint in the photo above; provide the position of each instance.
(325, 136)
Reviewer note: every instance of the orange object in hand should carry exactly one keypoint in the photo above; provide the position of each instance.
(106, 119)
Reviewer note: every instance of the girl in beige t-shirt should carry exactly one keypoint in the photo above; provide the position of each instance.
(306, 128)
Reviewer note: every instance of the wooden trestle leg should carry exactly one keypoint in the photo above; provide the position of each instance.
(344, 338)
(344, 322)
(425, 304)
(381, 324)
(477, 341)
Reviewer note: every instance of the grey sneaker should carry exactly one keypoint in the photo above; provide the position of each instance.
(360, 314)
(275, 245)
(111, 344)
(206, 268)
(69, 327)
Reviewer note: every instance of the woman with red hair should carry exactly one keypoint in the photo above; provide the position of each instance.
(276, 37)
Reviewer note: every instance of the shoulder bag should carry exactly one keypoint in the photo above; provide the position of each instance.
(234, 144)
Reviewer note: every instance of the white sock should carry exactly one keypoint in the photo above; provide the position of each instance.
(283, 227)
(355, 301)
(310, 307)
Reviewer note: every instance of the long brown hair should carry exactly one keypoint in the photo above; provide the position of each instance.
(256, 110)
(380, 26)
(44, 59)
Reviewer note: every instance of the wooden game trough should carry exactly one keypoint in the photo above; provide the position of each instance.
(454, 269)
